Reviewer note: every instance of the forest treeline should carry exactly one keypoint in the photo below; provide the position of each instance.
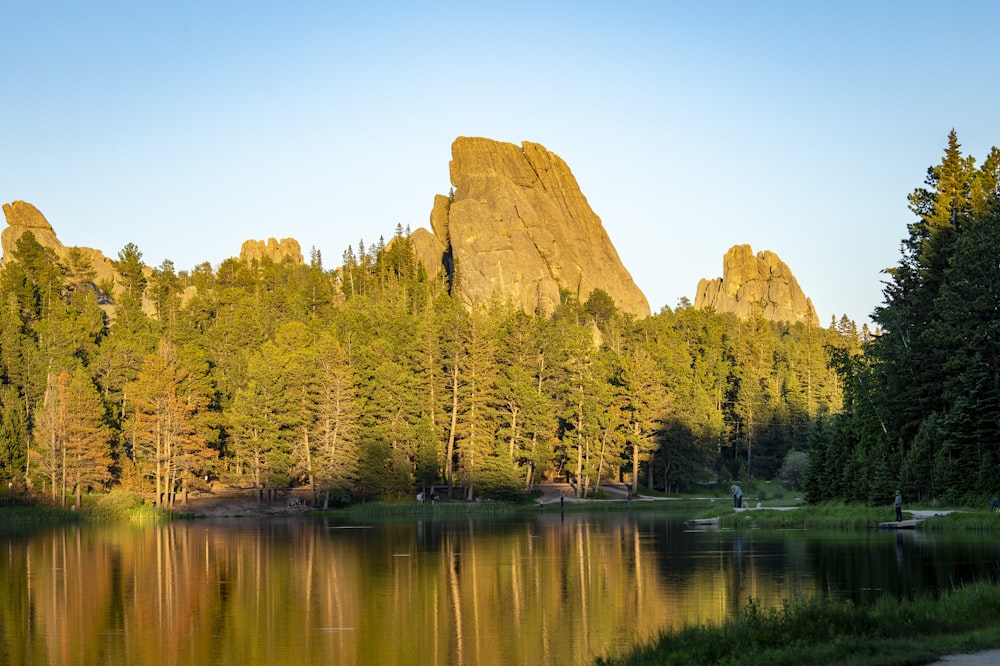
(922, 400)
(371, 380)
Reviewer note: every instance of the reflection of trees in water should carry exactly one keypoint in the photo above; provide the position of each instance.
(546, 590)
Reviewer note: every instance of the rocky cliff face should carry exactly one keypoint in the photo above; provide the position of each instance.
(752, 284)
(519, 226)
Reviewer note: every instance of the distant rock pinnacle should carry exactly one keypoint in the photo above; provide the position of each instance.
(751, 285)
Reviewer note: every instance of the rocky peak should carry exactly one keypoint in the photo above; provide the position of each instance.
(518, 225)
(752, 284)
(275, 250)
(23, 217)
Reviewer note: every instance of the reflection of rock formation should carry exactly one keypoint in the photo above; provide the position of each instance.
(519, 226)
(761, 284)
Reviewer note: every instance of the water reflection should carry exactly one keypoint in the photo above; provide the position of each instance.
(551, 589)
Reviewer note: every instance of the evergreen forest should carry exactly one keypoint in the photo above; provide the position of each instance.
(373, 381)
(921, 408)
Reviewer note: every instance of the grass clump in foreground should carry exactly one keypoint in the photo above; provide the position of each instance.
(888, 632)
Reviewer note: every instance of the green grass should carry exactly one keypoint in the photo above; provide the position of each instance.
(121, 505)
(966, 520)
(36, 513)
(839, 515)
(824, 515)
(117, 505)
(825, 631)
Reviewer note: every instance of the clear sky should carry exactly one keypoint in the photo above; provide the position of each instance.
(187, 127)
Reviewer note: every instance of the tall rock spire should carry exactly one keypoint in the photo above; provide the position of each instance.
(518, 225)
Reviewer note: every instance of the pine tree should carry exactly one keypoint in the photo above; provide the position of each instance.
(88, 437)
(643, 402)
(335, 419)
(48, 451)
(162, 407)
(13, 435)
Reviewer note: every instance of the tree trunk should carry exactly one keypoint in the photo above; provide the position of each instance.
(454, 425)
(635, 470)
(579, 449)
(309, 469)
(600, 461)
(649, 471)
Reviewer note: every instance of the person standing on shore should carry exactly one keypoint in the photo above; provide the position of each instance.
(737, 496)
(899, 507)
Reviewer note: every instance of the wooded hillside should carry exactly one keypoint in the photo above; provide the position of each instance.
(372, 380)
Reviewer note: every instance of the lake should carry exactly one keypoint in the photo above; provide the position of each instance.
(537, 589)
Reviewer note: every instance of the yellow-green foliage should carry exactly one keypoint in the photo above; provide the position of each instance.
(119, 505)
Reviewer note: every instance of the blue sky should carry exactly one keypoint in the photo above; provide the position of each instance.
(189, 127)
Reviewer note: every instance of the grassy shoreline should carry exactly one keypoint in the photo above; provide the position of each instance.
(839, 515)
(114, 506)
(122, 505)
(888, 632)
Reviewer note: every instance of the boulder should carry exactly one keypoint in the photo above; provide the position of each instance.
(752, 285)
(517, 225)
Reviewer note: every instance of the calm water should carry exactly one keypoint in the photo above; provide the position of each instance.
(537, 590)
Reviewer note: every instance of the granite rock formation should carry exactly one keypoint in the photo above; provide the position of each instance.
(275, 250)
(756, 284)
(428, 249)
(23, 217)
(517, 225)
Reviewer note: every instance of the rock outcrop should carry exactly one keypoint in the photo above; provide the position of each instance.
(23, 217)
(756, 284)
(517, 225)
(428, 249)
(275, 250)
